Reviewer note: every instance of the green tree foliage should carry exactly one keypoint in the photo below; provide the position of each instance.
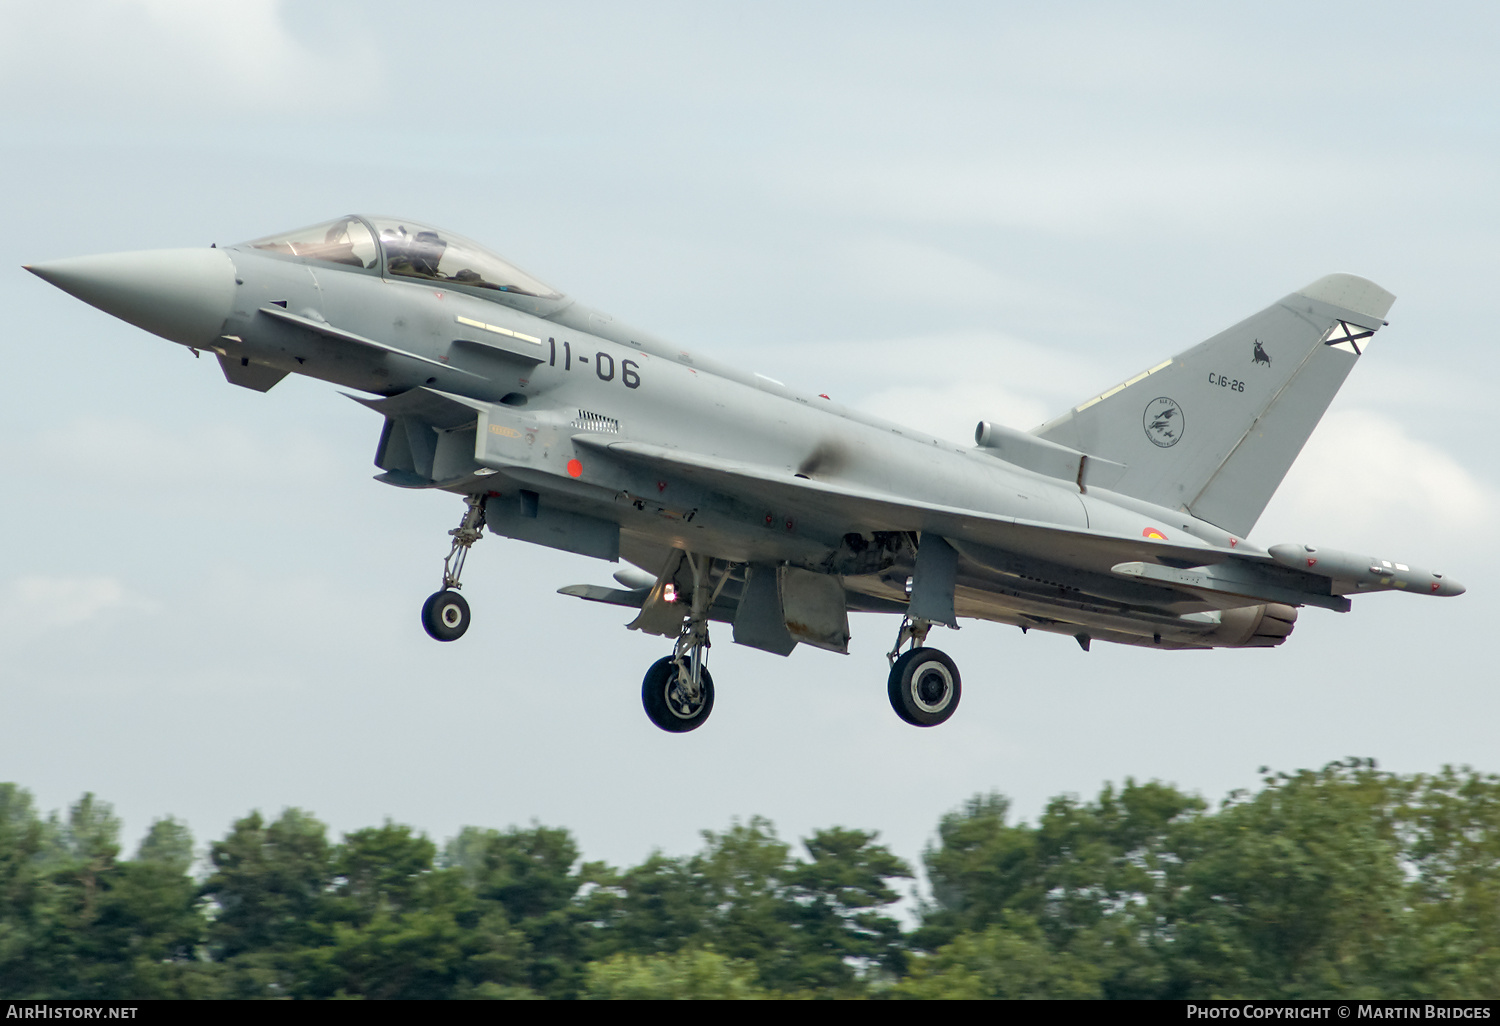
(837, 902)
(76, 921)
(693, 975)
(524, 885)
(739, 873)
(814, 925)
(375, 916)
(1010, 959)
(168, 844)
(23, 893)
(656, 907)
(1346, 882)
(1296, 892)
(1086, 874)
(1449, 831)
(269, 885)
(268, 895)
(149, 922)
(390, 924)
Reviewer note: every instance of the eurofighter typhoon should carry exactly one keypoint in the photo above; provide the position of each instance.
(744, 502)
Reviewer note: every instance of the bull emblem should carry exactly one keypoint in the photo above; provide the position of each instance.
(1261, 356)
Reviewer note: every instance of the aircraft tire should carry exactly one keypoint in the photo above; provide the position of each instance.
(924, 687)
(664, 706)
(445, 615)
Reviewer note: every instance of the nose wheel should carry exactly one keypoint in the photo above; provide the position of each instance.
(445, 614)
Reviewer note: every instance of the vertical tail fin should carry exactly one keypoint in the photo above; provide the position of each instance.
(1214, 429)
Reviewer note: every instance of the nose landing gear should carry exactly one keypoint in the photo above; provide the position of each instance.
(445, 614)
(924, 685)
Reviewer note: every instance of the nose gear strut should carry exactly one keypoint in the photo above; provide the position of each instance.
(445, 615)
(464, 535)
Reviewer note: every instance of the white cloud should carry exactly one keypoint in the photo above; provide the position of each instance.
(133, 455)
(1362, 481)
(152, 59)
(945, 383)
(1226, 184)
(33, 604)
(915, 271)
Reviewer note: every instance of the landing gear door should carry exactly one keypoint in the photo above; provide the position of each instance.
(663, 610)
(815, 608)
(504, 438)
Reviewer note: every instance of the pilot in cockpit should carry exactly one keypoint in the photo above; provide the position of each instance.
(415, 255)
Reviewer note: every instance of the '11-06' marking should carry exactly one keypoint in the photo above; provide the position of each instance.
(604, 364)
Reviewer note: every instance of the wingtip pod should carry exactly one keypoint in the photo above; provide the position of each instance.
(1353, 293)
(1364, 573)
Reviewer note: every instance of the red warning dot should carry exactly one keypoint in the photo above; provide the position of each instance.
(575, 469)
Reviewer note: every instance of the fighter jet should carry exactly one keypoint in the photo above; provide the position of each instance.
(735, 499)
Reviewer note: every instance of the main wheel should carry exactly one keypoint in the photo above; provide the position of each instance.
(924, 687)
(445, 614)
(665, 703)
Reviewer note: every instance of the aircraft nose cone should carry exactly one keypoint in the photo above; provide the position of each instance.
(180, 294)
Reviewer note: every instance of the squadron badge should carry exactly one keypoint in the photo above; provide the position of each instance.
(1163, 422)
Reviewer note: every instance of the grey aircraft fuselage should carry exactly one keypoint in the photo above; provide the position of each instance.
(574, 430)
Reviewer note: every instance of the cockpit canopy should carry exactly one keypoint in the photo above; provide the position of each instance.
(345, 241)
(409, 250)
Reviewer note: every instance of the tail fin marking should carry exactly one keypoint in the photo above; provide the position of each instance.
(1214, 429)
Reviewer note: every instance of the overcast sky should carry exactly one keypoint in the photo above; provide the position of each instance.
(940, 213)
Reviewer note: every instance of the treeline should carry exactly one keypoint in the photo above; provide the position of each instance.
(1346, 882)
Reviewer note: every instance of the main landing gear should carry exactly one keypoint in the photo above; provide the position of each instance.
(924, 683)
(678, 692)
(445, 614)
